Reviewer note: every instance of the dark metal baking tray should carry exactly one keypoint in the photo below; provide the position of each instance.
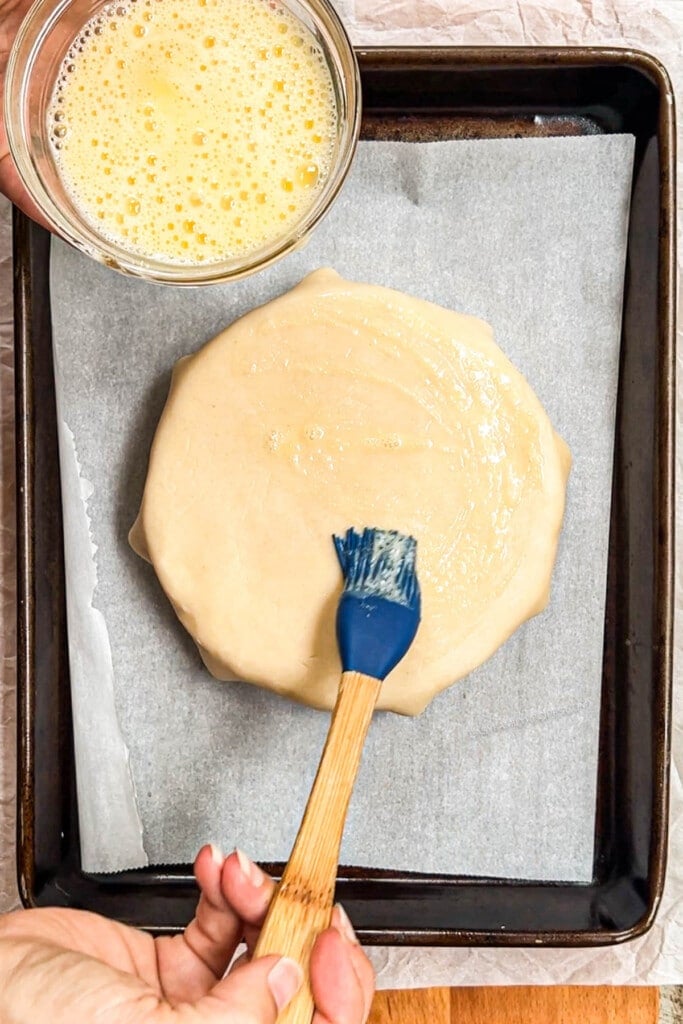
(422, 94)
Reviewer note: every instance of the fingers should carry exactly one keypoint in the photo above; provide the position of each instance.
(342, 978)
(359, 960)
(246, 888)
(254, 993)
(249, 890)
(12, 187)
(216, 928)
(232, 890)
(235, 898)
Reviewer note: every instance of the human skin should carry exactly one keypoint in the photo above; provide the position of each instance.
(11, 15)
(67, 965)
(64, 966)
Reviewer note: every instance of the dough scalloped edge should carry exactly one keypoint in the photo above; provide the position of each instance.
(344, 404)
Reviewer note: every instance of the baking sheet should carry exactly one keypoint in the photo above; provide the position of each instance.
(498, 776)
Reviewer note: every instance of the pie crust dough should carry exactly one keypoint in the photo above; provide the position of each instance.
(337, 405)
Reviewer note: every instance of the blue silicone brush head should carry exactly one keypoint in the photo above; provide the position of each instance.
(379, 610)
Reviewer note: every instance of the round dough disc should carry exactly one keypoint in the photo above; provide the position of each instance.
(338, 405)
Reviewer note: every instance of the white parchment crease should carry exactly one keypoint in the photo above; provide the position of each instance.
(497, 777)
(103, 777)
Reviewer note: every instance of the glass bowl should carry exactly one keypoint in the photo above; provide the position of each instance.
(44, 39)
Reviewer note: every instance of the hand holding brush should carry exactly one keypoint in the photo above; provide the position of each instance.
(377, 619)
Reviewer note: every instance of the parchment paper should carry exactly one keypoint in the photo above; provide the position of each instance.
(498, 776)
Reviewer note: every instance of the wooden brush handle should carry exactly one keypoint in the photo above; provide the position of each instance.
(302, 905)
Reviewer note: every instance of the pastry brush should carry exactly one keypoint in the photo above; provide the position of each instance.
(377, 618)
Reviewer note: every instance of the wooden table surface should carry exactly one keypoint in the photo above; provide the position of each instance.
(533, 1005)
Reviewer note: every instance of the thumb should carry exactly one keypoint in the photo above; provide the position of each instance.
(254, 993)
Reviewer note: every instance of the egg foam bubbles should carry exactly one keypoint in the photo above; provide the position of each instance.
(193, 131)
